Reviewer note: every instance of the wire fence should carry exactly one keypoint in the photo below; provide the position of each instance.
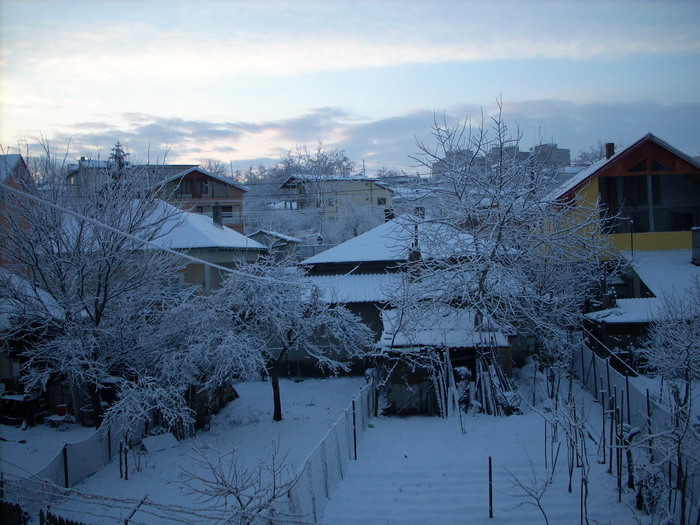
(74, 462)
(320, 474)
(327, 464)
(640, 408)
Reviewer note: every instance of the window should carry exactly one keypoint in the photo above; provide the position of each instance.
(641, 167)
(185, 187)
(381, 201)
(231, 214)
(199, 209)
(219, 190)
(657, 166)
(201, 187)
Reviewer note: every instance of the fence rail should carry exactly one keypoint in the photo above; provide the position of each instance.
(74, 462)
(327, 464)
(642, 409)
(319, 475)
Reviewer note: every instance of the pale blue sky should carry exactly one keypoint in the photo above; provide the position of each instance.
(241, 81)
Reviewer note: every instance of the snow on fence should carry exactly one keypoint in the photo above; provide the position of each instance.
(327, 464)
(640, 409)
(74, 462)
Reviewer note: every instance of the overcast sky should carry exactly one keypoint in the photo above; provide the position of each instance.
(244, 81)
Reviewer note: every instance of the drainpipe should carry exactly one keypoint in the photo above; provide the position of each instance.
(216, 215)
(630, 222)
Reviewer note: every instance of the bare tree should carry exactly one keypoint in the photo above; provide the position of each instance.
(594, 153)
(249, 492)
(508, 250)
(532, 488)
(287, 318)
(673, 353)
(215, 167)
(115, 297)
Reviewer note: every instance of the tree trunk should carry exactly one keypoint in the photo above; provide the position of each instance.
(275, 380)
(274, 371)
(96, 402)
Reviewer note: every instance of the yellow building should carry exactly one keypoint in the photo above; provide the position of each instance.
(333, 192)
(648, 193)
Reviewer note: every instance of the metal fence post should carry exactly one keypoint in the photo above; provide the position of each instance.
(490, 489)
(354, 430)
(65, 466)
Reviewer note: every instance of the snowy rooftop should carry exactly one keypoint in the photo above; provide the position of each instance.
(449, 328)
(630, 311)
(278, 235)
(361, 288)
(327, 177)
(89, 164)
(224, 180)
(199, 231)
(664, 271)
(22, 298)
(390, 241)
(579, 178)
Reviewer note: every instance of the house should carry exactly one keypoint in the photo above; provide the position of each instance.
(363, 272)
(199, 191)
(14, 173)
(185, 185)
(368, 273)
(656, 276)
(649, 198)
(86, 167)
(649, 194)
(199, 236)
(284, 247)
(331, 193)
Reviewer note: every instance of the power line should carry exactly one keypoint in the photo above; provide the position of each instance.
(142, 241)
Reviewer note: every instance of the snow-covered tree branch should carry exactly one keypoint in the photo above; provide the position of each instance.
(118, 317)
(506, 249)
(286, 317)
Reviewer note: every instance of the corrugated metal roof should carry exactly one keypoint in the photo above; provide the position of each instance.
(445, 328)
(361, 288)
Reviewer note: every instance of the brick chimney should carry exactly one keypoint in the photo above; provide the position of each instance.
(696, 245)
(609, 150)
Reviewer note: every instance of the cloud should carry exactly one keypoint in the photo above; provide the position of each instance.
(388, 142)
(234, 40)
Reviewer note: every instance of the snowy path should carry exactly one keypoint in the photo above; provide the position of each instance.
(423, 470)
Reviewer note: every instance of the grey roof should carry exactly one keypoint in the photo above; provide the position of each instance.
(312, 177)
(224, 180)
(278, 235)
(583, 177)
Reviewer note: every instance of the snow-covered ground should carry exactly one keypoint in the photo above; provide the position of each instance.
(24, 452)
(421, 470)
(409, 470)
